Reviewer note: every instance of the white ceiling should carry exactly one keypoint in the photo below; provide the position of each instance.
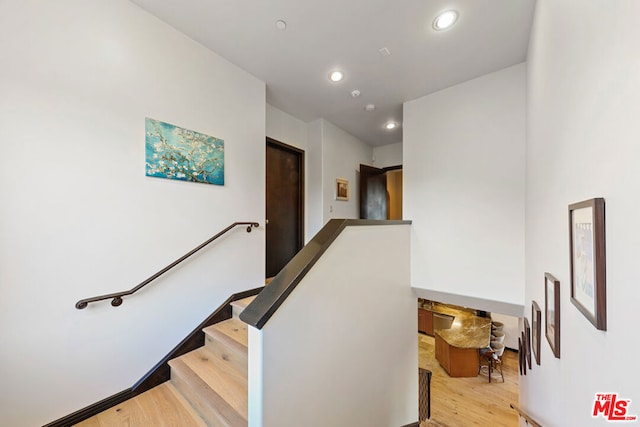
(347, 34)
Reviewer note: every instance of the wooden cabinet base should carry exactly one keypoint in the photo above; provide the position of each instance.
(425, 321)
(458, 362)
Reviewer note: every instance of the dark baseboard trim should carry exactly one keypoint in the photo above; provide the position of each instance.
(91, 410)
(159, 373)
(416, 424)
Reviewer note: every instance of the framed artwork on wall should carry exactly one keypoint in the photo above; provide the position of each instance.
(173, 152)
(527, 341)
(524, 353)
(587, 246)
(536, 320)
(342, 189)
(552, 312)
(522, 359)
(520, 355)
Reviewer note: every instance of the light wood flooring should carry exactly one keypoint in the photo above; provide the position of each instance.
(462, 402)
(162, 406)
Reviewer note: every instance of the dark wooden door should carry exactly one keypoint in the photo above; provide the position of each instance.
(373, 193)
(285, 202)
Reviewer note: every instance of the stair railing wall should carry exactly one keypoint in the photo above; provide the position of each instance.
(341, 315)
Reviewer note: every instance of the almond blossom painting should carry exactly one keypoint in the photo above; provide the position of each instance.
(173, 152)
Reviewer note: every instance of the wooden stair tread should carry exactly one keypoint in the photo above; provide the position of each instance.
(162, 406)
(241, 304)
(227, 341)
(216, 382)
(231, 329)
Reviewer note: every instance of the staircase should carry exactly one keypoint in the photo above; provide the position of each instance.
(208, 386)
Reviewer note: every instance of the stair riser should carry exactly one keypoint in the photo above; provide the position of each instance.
(236, 311)
(221, 350)
(208, 413)
(238, 306)
(211, 406)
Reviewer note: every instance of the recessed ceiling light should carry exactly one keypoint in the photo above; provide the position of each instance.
(370, 107)
(390, 125)
(445, 20)
(281, 25)
(336, 76)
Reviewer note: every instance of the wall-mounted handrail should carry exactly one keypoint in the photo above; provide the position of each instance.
(117, 297)
(526, 416)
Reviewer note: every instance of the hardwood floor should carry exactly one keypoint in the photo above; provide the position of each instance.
(462, 402)
(162, 406)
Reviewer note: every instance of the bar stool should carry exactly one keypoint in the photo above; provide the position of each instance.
(498, 336)
(491, 359)
(496, 357)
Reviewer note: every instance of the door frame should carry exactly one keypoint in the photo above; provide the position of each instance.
(301, 184)
(361, 188)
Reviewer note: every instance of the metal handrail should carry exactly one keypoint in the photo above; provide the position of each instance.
(527, 417)
(117, 297)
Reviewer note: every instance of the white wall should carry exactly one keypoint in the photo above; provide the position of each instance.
(330, 153)
(464, 162)
(78, 216)
(342, 154)
(387, 155)
(329, 355)
(285, 128)
(583, 133)
(314, 178)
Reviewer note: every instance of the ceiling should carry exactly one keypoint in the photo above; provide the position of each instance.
(347, 34)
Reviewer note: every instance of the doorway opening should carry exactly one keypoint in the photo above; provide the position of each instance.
(461, 394)
(284, 204)
(380, 192)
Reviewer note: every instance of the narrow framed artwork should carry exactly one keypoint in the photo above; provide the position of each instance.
(524, 353)
(527, 341)
(536, 320)
(522, 363)
(342, 189)
(520, 355)
(552, 312)
(587, 246)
